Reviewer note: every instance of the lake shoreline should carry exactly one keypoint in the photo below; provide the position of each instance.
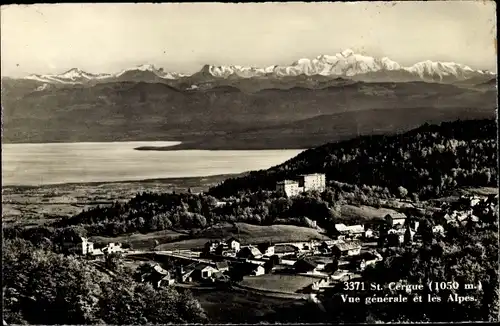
(180, 181)
(36, 205)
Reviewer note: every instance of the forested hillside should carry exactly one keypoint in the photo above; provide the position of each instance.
(426, 161)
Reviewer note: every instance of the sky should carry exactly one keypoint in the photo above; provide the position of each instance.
(106, 38)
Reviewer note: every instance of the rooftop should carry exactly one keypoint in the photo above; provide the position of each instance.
(397, 215)
(311, 174)
(287, 182)
(343, 246)
(201, 266)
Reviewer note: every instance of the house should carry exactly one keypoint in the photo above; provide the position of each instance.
(409, 235)
(395, 239)
(267, 249)
(220, 277)
(350, 231)
(203, 271)
(234, 244)
(210, 247)
(112, 248)
(86, 247)
(305, 265)
(325, 246)
(222, 266)
(339, 275)
(355, 230)
(341, 228)
(156, 275)
(307, 246)
(247, 269)
(438, 229)
(285, 250)
(258, 270)
(492, 199)
(414, 225)
(223, 250)
(289, 188)
(159, 276)
(474, 200)
(324, 282)
(343, 249)
(366, 259)
(271, 263)
(368, 234)
(220, 203)
(249, 252)
(395, 218)
(315, 181)
(474, 218)
(184, 274)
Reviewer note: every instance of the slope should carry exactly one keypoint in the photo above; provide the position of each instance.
(427, 161)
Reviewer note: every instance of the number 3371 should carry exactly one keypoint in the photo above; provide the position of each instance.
(354, 286)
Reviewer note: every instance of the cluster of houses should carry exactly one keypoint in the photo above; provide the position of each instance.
(462, 211)
(396, 229)
(224, 260)
(304, 258)
(86, 247)
(304, 183)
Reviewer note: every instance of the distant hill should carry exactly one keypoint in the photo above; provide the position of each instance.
(121, 111)
(315, 131)
(427, 161)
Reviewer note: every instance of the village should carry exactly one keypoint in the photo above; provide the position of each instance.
(290, 269)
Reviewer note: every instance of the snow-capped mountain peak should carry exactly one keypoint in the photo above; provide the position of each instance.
(72, 76)
(73, 73)
(159, 72)
(348, 63)
(143, 67)
(347, 53)
(344, 64)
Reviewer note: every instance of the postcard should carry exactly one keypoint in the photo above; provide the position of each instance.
(249, 163)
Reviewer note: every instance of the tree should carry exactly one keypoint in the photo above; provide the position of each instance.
(332, 267)
(402, 192)
(114, 261)
(40, 285)
(45, 288)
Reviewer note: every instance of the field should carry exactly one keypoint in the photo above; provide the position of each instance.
(140, 241)
(248, 234)
(226, 306)
(278, 282)
(364, 212)
(483, 191)
(455, 196)
(35, 205)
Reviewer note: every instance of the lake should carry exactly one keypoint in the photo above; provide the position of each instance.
(56, 163)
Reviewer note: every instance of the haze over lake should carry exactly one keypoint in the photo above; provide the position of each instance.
(56, 163)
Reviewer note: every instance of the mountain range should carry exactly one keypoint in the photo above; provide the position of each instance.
(345, 65)
(305, 104)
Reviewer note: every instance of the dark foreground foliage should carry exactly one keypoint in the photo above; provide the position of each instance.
(44, 288)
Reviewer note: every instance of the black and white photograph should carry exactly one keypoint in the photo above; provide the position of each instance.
(249, 163)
